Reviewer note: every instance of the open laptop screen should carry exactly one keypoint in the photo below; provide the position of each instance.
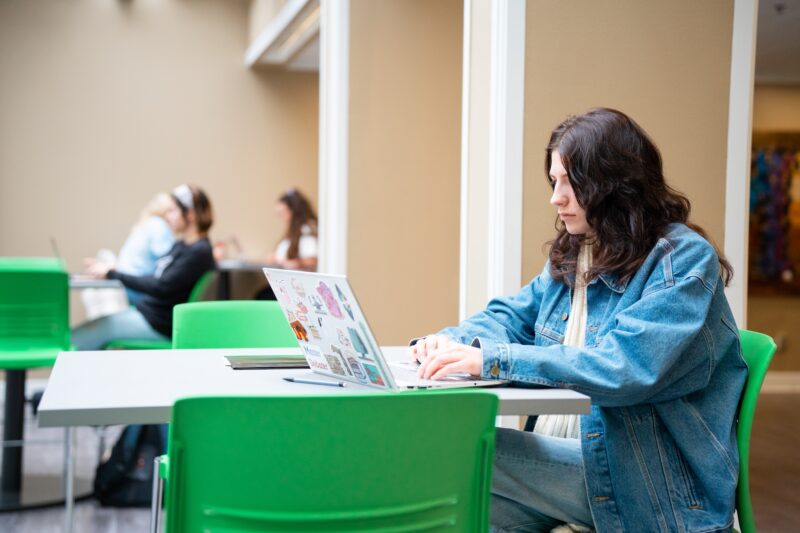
(330, 327)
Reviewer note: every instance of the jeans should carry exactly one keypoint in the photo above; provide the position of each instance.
(537, 483)
(127, 324)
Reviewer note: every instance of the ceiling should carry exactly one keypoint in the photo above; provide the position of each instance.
(778, 42)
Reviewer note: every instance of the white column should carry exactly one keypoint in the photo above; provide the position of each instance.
(491, 154)
(491, 151)
(507, 103)
(334, 72)
(737, 189)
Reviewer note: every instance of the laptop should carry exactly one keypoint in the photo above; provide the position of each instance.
(336, 339)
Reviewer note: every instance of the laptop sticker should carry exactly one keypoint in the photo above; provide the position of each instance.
(358, 344)
(315, 358)
(373, 375)
(316, 303)
(314, 330)
(327, 297)
(363, 329)
(283, 292)
(298, 288)
(343, 338)
(299, 331)
(355, 366)
(348, 309)
(335, 363)
(302, 312)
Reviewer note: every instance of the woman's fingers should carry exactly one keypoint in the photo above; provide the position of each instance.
(451, 357)
(434, 362)
(450, 368)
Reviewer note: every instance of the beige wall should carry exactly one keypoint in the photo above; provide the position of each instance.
(102, 104)
(776, 108)
(405, 109)
(262, 12)
(667, 64)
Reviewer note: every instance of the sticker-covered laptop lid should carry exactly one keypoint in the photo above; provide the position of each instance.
(330, 327)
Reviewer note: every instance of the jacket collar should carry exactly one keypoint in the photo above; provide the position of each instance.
(612, 282)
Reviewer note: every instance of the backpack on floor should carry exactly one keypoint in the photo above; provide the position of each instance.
(126, 478)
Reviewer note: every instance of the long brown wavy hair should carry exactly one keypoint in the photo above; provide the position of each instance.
(302, 214)
(616, 173)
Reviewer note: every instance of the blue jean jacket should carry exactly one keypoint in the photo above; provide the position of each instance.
(663, 367)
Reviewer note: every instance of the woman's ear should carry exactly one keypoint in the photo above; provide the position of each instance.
(191, 217)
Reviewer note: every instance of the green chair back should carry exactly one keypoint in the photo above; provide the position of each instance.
(231, 324)
(419, 461)
(757, 350)
(140, 344)
(200, 287)
(34, 311)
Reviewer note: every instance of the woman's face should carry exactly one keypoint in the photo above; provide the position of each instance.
(564, 200)
(284, 213)
(175, 219)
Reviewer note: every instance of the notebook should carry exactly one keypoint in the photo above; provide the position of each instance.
(248, 362)
(336, 339)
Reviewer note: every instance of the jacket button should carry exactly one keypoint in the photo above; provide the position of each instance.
(564, 316)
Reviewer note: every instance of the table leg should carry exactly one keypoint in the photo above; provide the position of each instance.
(507, 421)
(13, 429)
(224, 285)
(69, 477)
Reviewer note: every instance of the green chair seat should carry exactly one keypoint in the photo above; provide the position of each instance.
(20, 359)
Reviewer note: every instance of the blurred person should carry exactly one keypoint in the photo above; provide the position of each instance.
(150, 239)
(297, 248)
(190, 216)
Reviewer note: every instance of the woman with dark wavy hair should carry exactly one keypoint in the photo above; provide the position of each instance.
(631, 311)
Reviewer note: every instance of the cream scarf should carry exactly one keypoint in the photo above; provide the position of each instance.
(568, 426)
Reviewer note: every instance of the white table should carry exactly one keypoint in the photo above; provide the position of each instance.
(81, 281)
(140, 387)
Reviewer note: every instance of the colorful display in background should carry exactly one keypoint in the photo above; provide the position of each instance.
(775, 215)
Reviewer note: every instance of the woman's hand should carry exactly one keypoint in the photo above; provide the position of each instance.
(97, 269)
(439, 356)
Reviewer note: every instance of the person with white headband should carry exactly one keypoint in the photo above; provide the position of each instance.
(190, 217)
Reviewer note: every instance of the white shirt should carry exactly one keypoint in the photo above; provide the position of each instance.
(307, 247)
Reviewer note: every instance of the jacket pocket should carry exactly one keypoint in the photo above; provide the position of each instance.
(685, 478)
(546, 336)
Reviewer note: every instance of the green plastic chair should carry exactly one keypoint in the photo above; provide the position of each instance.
(231, 324)
(140, 344)
(418, 461)
(34, 327)
(757, 350)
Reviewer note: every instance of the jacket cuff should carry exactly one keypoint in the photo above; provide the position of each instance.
(496, 360)
(412, 342)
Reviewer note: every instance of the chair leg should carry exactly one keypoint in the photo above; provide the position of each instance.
(101, 432)
(155, 503)
(69, 478)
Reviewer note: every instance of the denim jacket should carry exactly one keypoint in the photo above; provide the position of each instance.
(663, 367)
